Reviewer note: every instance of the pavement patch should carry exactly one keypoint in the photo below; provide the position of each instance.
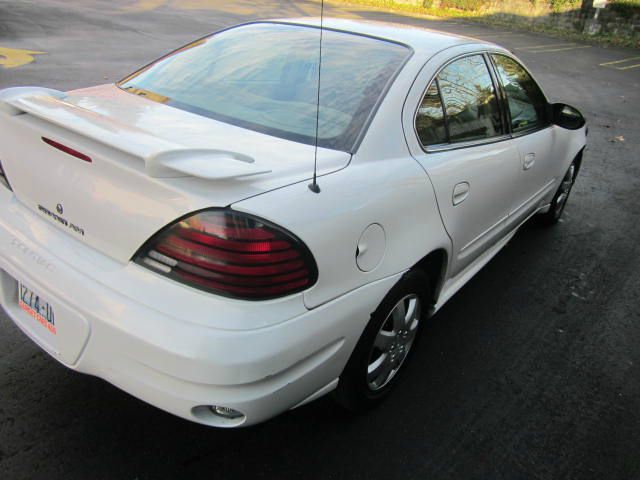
(15, 57)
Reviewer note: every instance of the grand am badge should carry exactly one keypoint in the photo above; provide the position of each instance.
(58, 218)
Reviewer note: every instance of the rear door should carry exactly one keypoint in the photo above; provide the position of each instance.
(468, 155)
(532, 134)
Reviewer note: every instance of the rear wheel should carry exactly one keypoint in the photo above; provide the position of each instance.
(386, 344)
(562, 195)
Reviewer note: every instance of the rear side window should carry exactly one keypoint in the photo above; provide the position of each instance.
(527, 104)
(466, 107)
(430, 123)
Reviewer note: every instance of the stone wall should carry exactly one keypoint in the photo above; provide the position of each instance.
(610, 21)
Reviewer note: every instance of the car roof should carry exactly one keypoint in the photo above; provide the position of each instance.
(422, 40)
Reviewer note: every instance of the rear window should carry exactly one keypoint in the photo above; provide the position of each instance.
(264, 77)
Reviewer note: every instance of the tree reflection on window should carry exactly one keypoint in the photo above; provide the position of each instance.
(470, 100)
(526, 100)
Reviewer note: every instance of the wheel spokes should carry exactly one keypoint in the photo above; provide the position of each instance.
(379, 371)
(399, 316)
(410, 316)
(384, 340)
(411, 335)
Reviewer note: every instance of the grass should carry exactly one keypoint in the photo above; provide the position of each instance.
(392, 6)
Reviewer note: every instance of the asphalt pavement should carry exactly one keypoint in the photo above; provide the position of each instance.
(532, 371)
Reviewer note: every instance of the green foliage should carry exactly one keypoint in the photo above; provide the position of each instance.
(564, 5)
(625, 7)
(469, 5)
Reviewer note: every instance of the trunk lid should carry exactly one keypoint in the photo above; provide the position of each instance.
(149, 163)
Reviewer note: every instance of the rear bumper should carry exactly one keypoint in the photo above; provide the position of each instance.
(171, 346)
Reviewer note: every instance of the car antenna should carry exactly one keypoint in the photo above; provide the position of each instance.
(313, 186)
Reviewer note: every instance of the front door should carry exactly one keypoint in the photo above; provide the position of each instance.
(471, 160)
(532, 134)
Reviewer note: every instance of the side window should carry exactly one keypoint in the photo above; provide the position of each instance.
(527, 104)
(470, 101)
(430, 123)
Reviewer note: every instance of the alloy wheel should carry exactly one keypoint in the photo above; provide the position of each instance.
(393, 342)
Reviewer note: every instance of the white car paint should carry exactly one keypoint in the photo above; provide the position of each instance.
(130, 138)
(183, 349)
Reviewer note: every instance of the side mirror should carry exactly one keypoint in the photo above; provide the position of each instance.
(567, 117)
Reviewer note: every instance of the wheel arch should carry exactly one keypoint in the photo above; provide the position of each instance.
(434, 265)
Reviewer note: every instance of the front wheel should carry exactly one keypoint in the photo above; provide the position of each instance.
(385, 345)
(560, 198)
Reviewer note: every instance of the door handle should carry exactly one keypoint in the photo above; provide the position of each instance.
(460, 192)
(529, 160)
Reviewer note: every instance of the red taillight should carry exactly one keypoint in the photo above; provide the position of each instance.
(67, 150)
(231, 254)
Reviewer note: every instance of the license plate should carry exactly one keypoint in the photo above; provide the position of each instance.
(37, 307)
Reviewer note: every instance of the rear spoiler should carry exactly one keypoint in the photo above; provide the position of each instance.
(161, 158)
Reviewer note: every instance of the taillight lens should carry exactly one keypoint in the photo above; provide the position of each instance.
(3, 178)
(231, 254)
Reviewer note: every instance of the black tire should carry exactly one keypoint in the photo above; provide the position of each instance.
(561, 196)
(354, 391)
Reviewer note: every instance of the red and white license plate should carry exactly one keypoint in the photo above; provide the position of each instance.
(37, 307)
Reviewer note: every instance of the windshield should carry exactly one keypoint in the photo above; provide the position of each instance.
(264, 77)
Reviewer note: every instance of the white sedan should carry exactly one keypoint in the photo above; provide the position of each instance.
(162, 233)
